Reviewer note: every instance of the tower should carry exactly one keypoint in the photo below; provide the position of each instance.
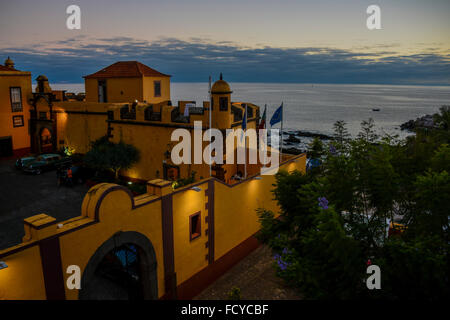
(9, 63)
(221, 104)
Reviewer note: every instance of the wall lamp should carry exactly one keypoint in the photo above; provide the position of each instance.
(197, 189)
(3, 265)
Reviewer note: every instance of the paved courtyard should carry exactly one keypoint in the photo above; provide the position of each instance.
(23, 195)
(255, 276)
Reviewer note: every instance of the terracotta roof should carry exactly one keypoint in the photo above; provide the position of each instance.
(3, 68)
(129, 69)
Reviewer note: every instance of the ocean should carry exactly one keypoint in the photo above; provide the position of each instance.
(316, 107)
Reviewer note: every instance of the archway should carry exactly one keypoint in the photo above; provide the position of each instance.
(45, 140)
(122, 268)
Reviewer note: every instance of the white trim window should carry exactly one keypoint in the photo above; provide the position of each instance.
(16, 99)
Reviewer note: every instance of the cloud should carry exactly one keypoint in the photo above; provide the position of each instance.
(195, 59)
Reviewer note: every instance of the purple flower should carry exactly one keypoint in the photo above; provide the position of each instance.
(323, 203)
(332, 149)
(281, 264)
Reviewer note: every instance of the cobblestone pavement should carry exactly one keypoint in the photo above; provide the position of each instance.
(23, 195)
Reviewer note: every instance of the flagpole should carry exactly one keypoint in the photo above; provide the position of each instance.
(245, 142)
(282, 120)
(210, 124)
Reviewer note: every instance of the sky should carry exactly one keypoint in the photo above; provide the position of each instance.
(320, 41)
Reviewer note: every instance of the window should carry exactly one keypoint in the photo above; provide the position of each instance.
(16, 99)
(18, 121)
(195, 226)
(223, 104)
(157, 86)
(110, 115)
(102, 91)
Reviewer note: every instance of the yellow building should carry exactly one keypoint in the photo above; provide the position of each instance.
(15, 89)
(146, 121)
(165, 244)
(127, 81)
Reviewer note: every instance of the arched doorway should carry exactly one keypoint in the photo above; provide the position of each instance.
(123, 268)
(45, 140)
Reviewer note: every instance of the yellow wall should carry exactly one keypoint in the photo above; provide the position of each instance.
(23, 279)
(234, 215)
(79, 129)
(117, 89)
(190, 256)
(91, 88)
(20, 135)
(152, 142)
(129, 89)
(149, 92)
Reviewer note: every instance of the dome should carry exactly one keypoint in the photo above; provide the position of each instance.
(9, 63)
(221, 86)
(42, 78)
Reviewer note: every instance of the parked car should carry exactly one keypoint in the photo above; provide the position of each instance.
(46, 162)
(22, 162)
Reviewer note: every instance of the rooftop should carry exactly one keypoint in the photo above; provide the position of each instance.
(126, 69)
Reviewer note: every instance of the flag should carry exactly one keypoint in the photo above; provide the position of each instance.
(277, 116)
(244, 122)
(186, 108)
(262, 123)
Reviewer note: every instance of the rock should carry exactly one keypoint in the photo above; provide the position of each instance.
(309, 134)
(422, 122)
(292, 139)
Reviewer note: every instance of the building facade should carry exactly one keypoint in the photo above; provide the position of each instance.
(15, 90)
(167, 243)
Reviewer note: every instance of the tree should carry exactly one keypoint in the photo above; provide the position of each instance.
(107, 155)
(322, 245)
(315, 149)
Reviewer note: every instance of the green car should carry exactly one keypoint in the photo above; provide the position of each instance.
(22, 162)
(46, 162)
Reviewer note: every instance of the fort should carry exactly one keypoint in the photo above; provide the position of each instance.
(163, 244)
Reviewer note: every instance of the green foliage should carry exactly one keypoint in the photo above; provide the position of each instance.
(323, 249)
(234, 294)
(184, 181)
(330, 260)
(106, 155)
(315, 149)
(416, 269)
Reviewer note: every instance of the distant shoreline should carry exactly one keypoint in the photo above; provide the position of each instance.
(63, 85)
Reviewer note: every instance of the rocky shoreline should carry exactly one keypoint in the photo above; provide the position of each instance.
(297, 141)
(424, 122)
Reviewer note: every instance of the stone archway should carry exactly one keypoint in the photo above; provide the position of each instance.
(102, 280)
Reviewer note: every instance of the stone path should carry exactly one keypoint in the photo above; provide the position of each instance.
(255, 276)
